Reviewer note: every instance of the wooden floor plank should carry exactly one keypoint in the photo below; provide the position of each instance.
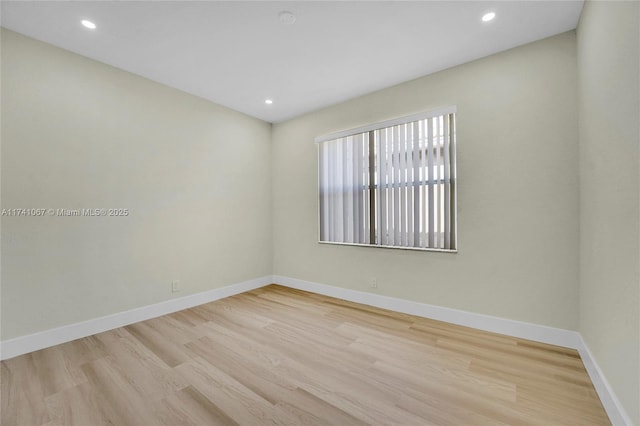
(288, 357)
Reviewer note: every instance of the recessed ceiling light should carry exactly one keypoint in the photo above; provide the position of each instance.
(488, 16)
(287, 17)
(88, 24)
(268, 101)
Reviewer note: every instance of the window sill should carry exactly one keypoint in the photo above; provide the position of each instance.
(450, 251)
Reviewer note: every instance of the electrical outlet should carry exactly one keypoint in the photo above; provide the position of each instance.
(374, 282)
(175, 286)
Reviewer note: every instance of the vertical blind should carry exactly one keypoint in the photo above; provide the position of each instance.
(392, 184)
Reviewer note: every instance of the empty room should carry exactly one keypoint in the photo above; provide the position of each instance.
(320, 213)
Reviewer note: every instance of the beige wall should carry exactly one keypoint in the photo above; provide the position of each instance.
(79, 134)
(518, 190)
(609, 98)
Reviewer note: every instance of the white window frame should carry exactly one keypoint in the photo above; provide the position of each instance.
(451, 181)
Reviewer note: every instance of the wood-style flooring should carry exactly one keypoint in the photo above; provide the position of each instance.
(277, 356)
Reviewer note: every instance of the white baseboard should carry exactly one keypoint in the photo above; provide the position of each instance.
(523, 330)
(540, 333)
(610, 401)
(44, 339)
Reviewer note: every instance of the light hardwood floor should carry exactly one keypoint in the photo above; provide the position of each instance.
(281, 356)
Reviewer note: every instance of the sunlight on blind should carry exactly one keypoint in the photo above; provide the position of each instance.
(392, 186)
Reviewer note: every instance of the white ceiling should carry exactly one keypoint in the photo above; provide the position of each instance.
(239, 53)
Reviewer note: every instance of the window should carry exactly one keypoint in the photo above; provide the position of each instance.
(392, 184)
